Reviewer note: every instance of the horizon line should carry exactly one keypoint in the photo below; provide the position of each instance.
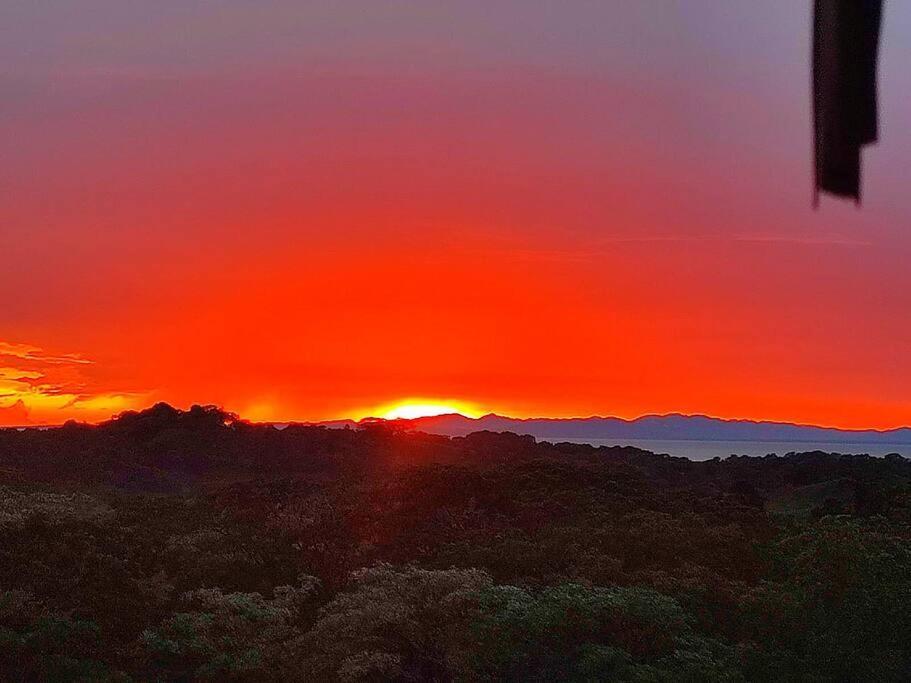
(580, 418)
(353, 420)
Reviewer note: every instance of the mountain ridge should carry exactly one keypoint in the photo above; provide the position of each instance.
(671, 426)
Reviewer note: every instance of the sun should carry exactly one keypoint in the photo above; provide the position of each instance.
(409, 409)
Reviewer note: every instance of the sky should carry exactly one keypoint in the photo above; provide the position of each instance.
(312, 210)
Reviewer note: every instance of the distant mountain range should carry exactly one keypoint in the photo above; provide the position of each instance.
(670, 427)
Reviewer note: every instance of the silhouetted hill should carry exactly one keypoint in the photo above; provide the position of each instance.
(163, 447)
(672, 427)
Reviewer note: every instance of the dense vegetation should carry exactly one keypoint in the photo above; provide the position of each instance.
(168, 545)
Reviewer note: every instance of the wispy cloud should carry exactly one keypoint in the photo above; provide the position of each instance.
(38, 386)
(35, 353)
(810, 240)
(602, 249)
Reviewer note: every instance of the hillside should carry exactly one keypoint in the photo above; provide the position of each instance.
(172, 545)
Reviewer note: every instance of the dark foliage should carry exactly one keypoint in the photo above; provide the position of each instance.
(170, 545)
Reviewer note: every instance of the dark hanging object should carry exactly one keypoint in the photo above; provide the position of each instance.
(845, 51)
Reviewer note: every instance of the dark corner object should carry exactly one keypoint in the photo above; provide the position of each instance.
(845, 51)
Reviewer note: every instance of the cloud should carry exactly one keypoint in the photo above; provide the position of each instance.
(34, 353)
(43, 387)
(809, 240)
(17, 374)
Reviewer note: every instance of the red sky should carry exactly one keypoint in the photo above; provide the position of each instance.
(307, 213)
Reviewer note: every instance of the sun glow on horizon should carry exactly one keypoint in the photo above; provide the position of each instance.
(409, 409)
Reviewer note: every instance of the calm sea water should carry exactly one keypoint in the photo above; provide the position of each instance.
(706, 450)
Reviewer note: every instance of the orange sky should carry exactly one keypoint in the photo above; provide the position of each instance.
(564, 223)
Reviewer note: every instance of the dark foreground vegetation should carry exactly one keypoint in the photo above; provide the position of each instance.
(170, 545)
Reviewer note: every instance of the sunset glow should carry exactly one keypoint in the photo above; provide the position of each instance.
(411, 409)
(296, 215)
